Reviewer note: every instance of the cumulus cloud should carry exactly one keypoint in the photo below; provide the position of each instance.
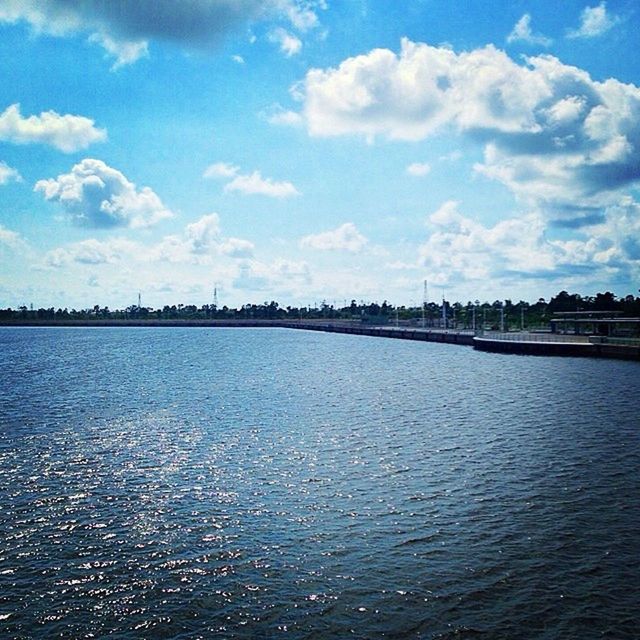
(594, 21)
(125, 28)
(94, 252)
(418, 169)
(203, 233)
(199, 243)
(255, 184)
(281, 276)
(204, 237)
(557, 138)
(7, 174)
(67, 133)
(289, 44)
(250, 184)
(11, 239)
(345, 238)
(460, 249)
(423, 89)
(522, 33)
(96, 195)
(236, 248)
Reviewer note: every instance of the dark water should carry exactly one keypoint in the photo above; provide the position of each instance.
(168, 483)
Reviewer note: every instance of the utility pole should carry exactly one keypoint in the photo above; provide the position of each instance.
(215, 296)
(444, 311)
(502, 318)
(424, 305)
(139, 300)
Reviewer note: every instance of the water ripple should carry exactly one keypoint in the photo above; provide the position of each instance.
(255, 483)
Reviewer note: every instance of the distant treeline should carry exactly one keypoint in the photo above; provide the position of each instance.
(515, 314)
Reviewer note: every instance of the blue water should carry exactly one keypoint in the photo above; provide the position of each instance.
(266, 483)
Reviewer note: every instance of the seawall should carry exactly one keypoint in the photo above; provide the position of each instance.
(550, 348)
(400, 333)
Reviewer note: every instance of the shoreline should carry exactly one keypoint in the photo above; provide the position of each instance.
(486, 342)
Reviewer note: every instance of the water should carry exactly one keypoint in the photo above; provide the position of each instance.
(241, 483)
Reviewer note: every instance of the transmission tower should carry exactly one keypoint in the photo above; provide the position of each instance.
(425, 299)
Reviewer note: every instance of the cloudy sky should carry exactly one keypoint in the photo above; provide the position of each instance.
(302, 150)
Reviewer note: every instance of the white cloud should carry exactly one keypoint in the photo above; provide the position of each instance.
(345, 238)
(418, 169)
(7, 174)
(522, 33)
(411, 95)
(124, 51)
(594, 21)
(255, 184)
(289, 44)
(279, 277)
(96, 195)
(236, 248)
(290, 270)
(68, 133)
(399, 265)
(94, 252)
(302, 14)
(460, 249)
(199, 243)
(558, 139)
(286, 118)
(220, 170)
(566, 110)
(204, 233)
(282, 117)
(250, 184)
(238, 59)
(124, 29)
(11, 239)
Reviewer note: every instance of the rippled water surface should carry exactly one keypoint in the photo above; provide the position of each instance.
(241, 483)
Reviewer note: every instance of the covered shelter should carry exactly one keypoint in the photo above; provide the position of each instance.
(600, 323)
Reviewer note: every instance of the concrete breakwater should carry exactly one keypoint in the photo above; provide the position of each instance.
(402, 333)
(524, 345)
(515, 343)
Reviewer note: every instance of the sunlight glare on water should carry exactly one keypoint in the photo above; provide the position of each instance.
(257, 483)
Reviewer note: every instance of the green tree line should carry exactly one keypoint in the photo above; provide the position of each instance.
(458, 314)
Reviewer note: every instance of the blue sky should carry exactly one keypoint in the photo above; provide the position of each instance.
(309, 150)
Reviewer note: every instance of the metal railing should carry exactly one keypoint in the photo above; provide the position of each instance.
(518, 336)
(627, 342)
(424, 329)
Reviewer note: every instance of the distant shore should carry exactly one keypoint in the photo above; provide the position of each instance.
(159, 322)
(521, 344)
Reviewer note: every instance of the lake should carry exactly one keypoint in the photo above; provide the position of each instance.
(265, 483)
